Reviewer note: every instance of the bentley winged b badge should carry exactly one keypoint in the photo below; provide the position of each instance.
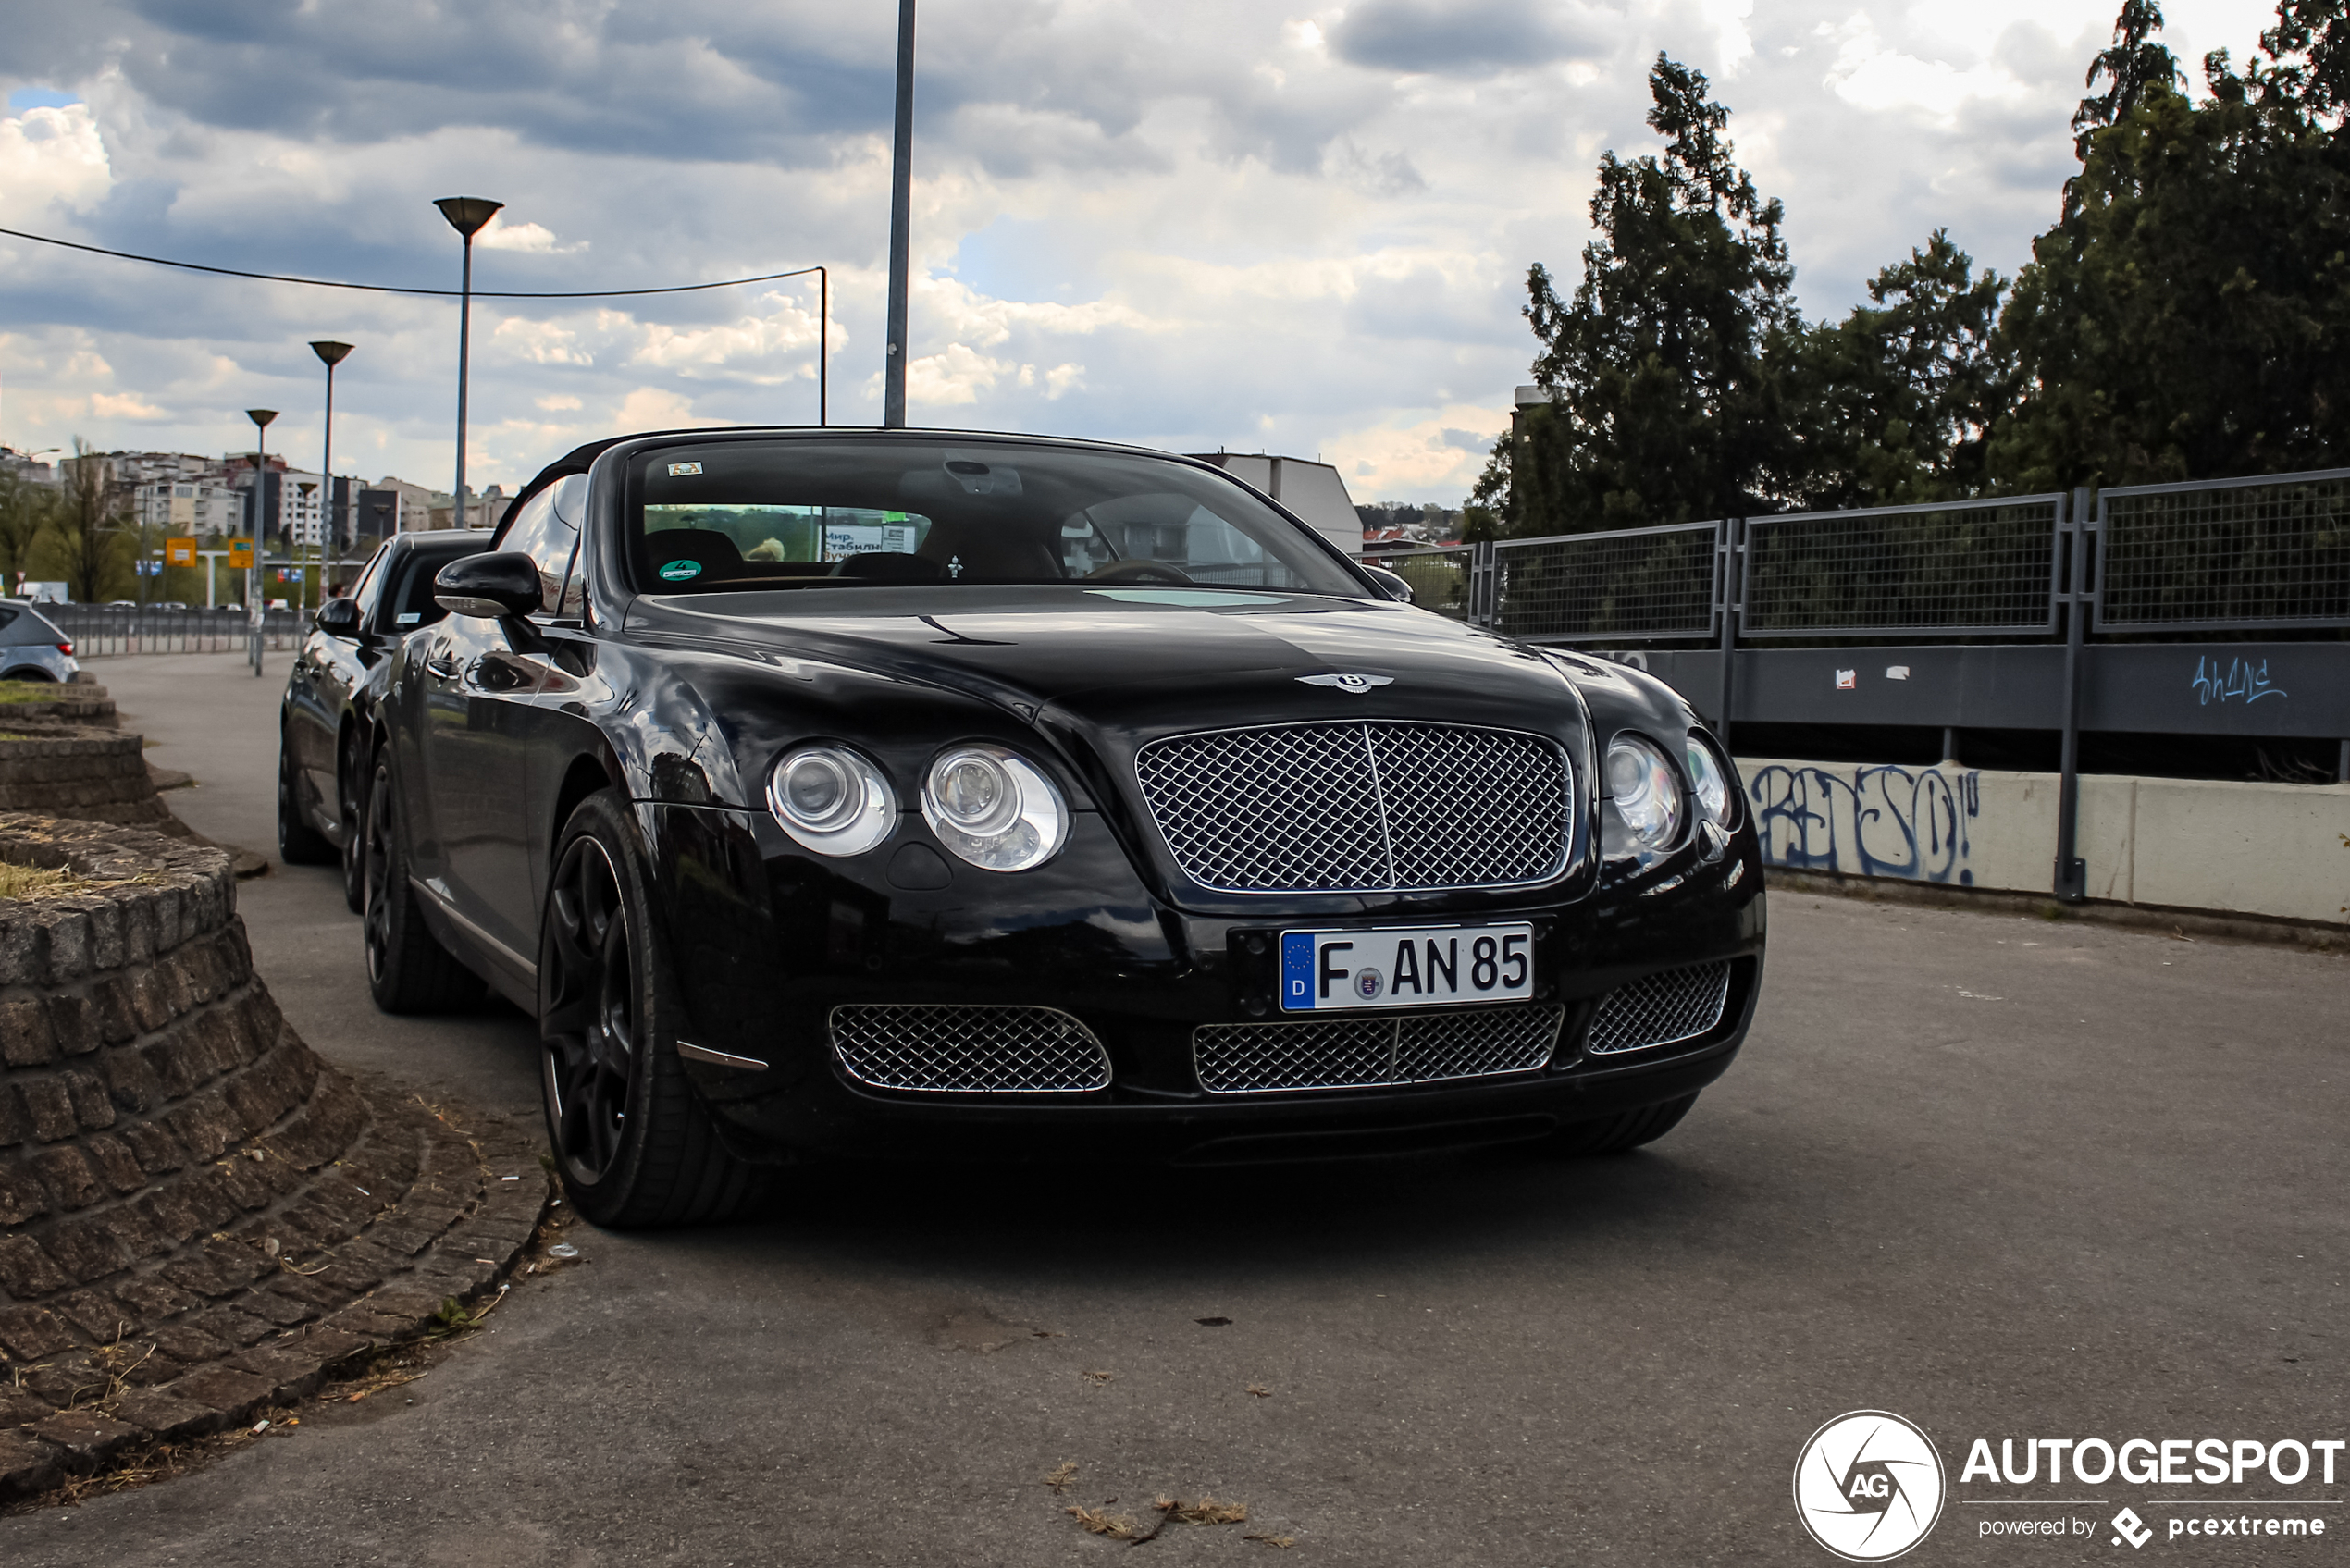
(1359, 685)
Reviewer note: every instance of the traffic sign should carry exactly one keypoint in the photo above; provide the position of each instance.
(180, 552)
(240, 554)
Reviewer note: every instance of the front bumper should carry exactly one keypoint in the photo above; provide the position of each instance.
(766, 943)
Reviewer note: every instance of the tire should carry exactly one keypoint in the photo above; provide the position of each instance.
(299, 844)
(351, 777)
(408, 971)
(633, 1142)
(1622, 1132)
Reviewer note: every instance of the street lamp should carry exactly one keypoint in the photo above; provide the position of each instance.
(261, 418)
(901, 217)
(466, 215)
(331, 353)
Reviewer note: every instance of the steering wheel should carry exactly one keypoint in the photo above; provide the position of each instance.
(1139, 571)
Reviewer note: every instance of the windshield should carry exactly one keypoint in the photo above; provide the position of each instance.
(722, 516)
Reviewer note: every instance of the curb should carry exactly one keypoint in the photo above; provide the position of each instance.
(440, 1242)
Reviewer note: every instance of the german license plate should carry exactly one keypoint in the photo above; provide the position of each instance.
(1405, 967)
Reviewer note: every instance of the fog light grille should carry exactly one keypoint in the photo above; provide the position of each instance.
(967, 1050)
(1367, 1052)
(1661, 1009)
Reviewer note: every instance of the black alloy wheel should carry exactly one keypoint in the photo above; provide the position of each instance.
(351, 778)
(299, 844)
(408, 970)
(590, 1024)
(632, 1140)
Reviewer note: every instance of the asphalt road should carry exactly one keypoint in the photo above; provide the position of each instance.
(2007, 1178)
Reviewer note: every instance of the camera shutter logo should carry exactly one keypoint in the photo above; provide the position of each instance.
(1869, 1485)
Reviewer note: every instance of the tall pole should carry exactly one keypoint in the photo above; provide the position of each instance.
(261, 418)
(824, 345)
(331, 353)
(465, 214)
(901, 217)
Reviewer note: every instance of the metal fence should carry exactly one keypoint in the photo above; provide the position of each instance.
(98, 630)
(2234, 554)
(2270, 553)
(1631, 584)
(1441, 576)
(1958, 567)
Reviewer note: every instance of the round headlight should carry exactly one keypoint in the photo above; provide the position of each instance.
(1709, 780)
(831, 800)
(994, 809)
(1645, 792)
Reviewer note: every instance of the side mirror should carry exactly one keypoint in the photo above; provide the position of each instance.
(338, 618)
(1397, 589)
(491, 585)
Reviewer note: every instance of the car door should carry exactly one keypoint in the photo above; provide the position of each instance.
(326, 667)
(479, 678)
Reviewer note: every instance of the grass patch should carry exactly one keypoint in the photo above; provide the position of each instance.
(37, 691)
(32, 882)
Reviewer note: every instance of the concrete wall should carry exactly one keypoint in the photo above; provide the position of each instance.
(2281, 850)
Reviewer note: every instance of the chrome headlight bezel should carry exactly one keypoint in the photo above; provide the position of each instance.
(1713, 783)
(1646, 802)
(994, 809)
(865, 815)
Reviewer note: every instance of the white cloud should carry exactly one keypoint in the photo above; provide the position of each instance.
(1123, 228)
(51, 157)
(499, 235)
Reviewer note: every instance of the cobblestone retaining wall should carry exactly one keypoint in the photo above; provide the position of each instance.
(77, 705)
(96, 775)
(185, 1190)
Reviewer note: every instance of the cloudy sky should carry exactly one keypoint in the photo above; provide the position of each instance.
(1191, 224)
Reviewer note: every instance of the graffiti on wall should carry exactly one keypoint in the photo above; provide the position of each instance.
(1868, 821)
(2242, 682)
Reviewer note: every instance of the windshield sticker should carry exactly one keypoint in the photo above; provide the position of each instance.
(678, 468)
(681, 572)
(1190, 599)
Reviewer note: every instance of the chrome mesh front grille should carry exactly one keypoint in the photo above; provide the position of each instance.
(1367, 1051)
(1378, 806)
(1661, 1009)
(967, 1050)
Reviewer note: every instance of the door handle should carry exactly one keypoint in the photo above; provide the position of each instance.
(442, 663)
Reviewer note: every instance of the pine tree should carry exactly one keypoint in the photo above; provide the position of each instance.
(1663, 403)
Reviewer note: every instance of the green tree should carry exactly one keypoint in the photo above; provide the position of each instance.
(1664, 403)
(1896, 402)
(2131, 65)
(2188, 317)
(87, 526)
(24, 511)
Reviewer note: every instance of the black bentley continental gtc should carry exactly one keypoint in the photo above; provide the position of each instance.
(920, 794)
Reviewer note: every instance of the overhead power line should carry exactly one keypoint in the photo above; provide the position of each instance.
(395, 289)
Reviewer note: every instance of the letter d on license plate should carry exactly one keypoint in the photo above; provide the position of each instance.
(1405, 967)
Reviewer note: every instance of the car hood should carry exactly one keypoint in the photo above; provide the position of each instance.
(1138, 661)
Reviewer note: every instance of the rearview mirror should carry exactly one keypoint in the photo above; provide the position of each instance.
(338, 618)
(491, 585)
(1397, 589)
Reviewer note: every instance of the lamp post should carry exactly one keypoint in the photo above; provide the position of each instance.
(302, 579)
(261, 418)
(466, 215)
(901, 212)
(331, 353)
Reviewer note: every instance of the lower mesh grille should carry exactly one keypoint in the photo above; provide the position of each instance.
(1661, 1009)
(969, 1050)
(1363, 1052)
